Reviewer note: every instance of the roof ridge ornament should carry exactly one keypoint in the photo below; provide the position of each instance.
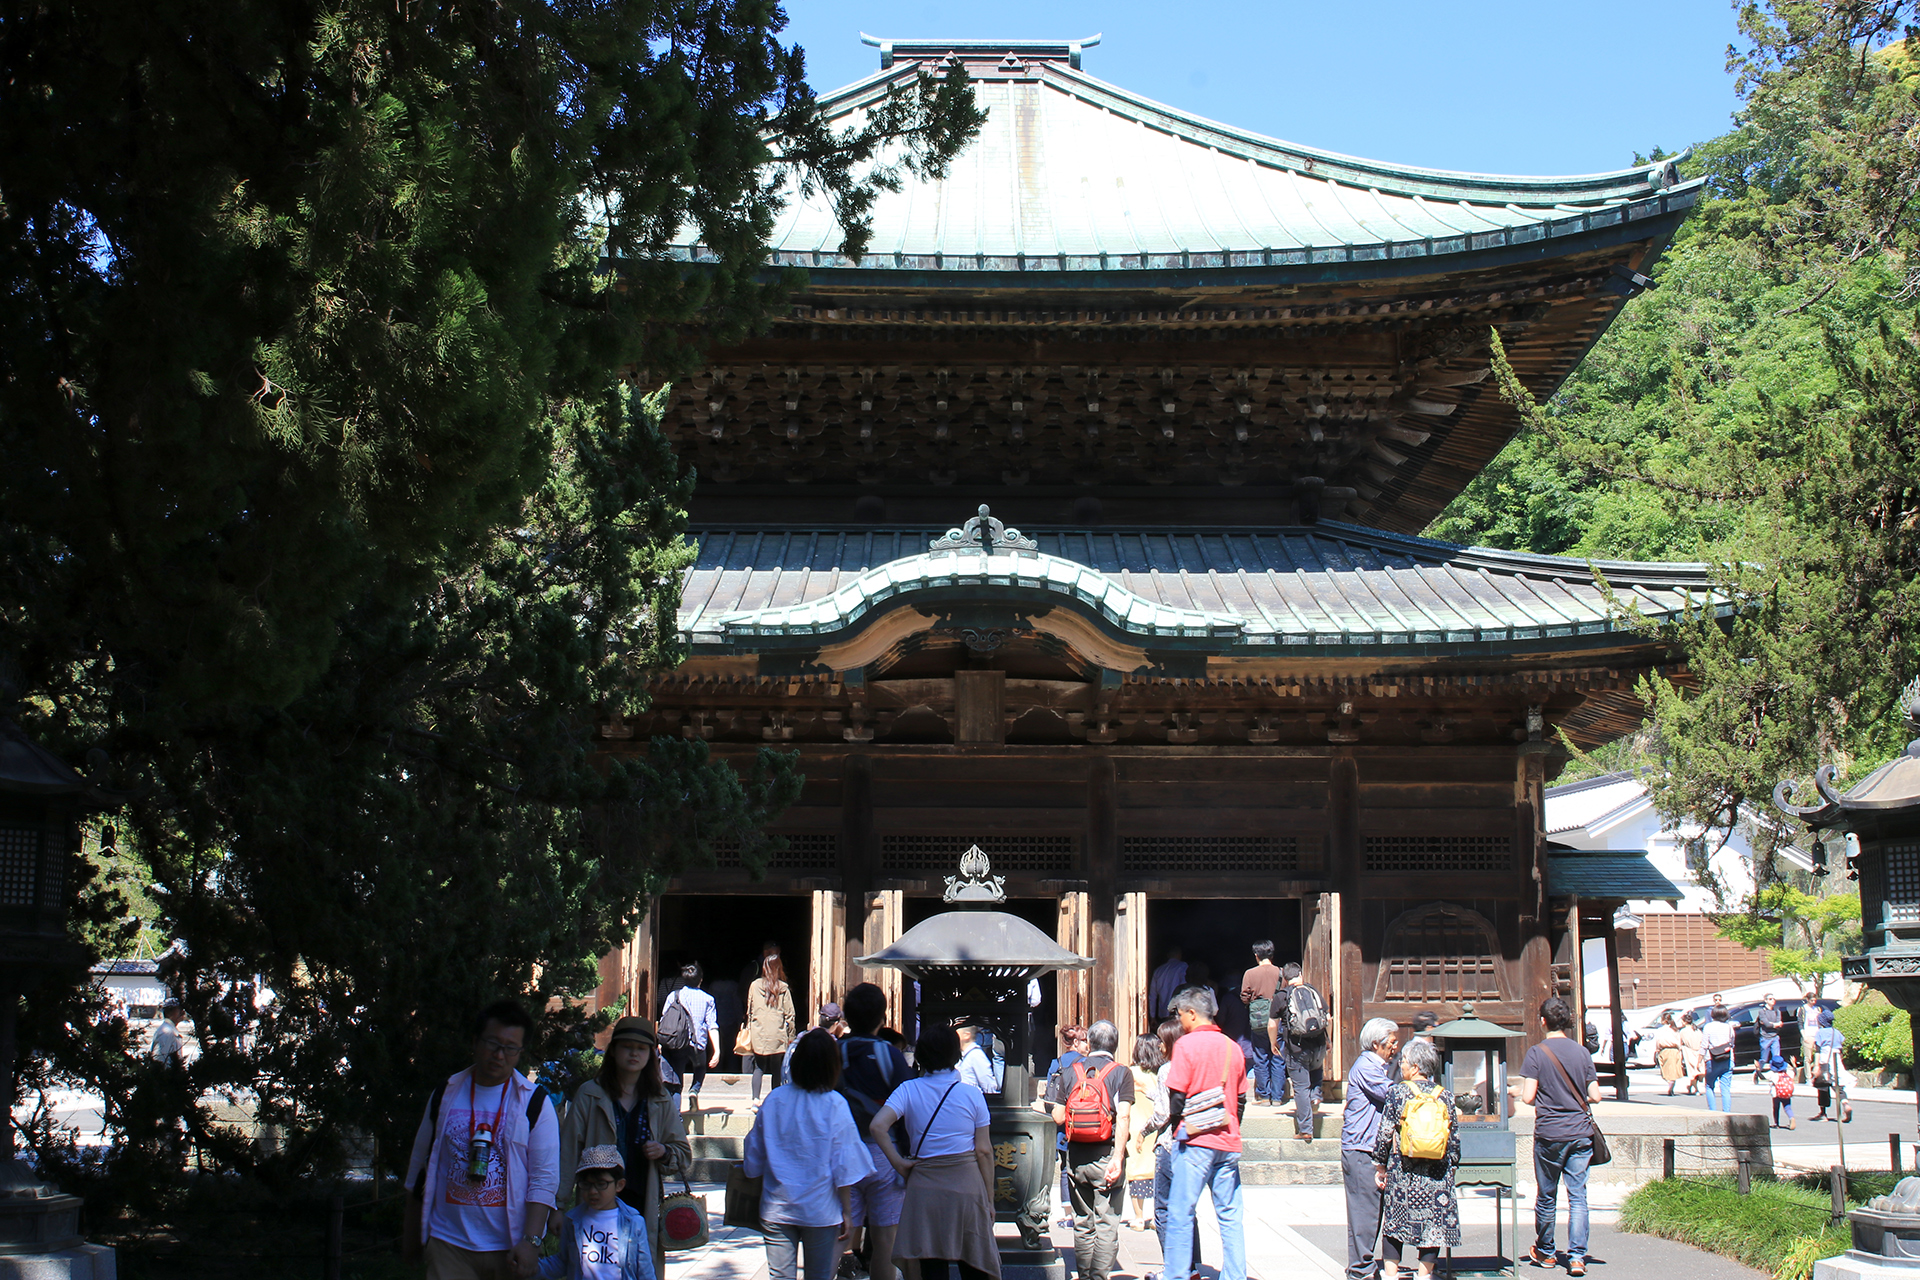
(985, 534)
(976, 881)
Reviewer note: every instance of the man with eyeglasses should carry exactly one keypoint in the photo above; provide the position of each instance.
(485, 1165)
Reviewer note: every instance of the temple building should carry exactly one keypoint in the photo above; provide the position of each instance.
(1078, 521)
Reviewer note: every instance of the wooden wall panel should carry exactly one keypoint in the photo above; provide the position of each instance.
(1676, 956)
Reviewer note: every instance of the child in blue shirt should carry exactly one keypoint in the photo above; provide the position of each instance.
(607, 1238)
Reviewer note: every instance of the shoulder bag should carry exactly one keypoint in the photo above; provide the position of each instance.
(683, 1218)
(1602, 1153)
(1206, 1111)
(743, 1198)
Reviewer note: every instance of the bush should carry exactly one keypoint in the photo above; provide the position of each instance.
(1878, 1036)
(1780, 1228)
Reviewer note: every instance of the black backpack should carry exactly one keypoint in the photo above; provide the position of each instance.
(1306, 1018)
(676, 1025)
(864, 1105)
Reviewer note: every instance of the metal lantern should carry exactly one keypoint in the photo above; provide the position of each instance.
(973, 967)
(1473, 1056)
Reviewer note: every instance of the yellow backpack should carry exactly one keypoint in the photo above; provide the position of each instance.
(1425, 1125)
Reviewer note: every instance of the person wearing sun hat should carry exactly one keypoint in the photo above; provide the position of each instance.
(607, 1238)
(628, 1108)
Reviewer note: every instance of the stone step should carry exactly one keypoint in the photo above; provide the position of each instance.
(1260, 1149)
(1291, 1173)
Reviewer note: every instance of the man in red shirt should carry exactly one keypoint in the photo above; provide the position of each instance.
(1206, 1094)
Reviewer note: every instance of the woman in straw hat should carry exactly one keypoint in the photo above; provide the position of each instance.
(946, 1213)
(628, 1107)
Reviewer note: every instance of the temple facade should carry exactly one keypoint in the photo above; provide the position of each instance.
(1078, 521)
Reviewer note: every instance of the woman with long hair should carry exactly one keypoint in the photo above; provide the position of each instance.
(627, 1106)
(1667, 1051)
(769, 1018)
(1148, 1058)
(1167, 1032)
(946, 1212)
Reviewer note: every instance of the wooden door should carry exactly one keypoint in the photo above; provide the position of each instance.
(886, 909)
(1130, 969)
(827, 972)
(1074, 932)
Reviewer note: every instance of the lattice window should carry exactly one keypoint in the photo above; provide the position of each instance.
(805, 851)
(1141, 854)
(1903, 882)
(1008, 853)
(1439, 853)
(1440, 953)
(19, 865)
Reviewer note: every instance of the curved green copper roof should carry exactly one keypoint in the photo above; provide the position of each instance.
(1071, 174)
(1317, 590)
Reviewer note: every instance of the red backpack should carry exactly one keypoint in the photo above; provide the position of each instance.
(1089, 1111)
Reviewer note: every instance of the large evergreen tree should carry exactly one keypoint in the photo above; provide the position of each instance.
(327, 511)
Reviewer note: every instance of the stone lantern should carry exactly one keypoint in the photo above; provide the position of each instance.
(41, 802)
(973, 966)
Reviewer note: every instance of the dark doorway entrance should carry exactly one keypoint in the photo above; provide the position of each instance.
(723, 934)
(1219, 933)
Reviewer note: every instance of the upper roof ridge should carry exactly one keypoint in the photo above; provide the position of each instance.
(1067, 51)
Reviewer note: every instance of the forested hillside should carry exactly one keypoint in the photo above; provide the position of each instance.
(1759, 410)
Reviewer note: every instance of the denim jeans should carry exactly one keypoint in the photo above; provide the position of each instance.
(1218, 1172)
(1552, 1162)
(786, 1245)
(1269, 1070)
(1162, 1188)
(1769, 1050)
(1720, 1076)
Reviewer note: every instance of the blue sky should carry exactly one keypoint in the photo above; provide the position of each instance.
(1501, 86)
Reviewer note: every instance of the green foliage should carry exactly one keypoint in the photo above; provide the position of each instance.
(1877, 1034)
(331, 515)
(1825, 927)
(1760, 411)
(1779, 1228)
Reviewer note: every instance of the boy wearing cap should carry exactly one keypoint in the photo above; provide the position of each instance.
(606, 1238)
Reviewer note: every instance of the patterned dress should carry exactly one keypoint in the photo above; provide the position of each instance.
(1419, 1207)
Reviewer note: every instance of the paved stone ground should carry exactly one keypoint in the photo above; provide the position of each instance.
(1292, 1232)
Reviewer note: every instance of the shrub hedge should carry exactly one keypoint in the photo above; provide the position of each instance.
(1878, 1035)
(1780, 1228)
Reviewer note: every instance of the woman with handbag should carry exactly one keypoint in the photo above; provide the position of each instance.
(628, 1107)
(805, 1148)
(946, 1213)
(1693, 1052)
(1415, 1159)
(1148, 1058)
(769, 1019)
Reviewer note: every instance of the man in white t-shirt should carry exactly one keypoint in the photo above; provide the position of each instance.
(485, 1163)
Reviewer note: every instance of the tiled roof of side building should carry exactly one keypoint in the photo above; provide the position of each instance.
(1071, 174)
(1626, 874)
(1328, 584)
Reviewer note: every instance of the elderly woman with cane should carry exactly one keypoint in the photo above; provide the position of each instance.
(1415, 1157)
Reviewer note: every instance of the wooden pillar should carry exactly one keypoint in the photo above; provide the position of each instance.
(1345, 865)
(857, 862)
(1130, 968)
(1618, 1015)
(1103, 873)
(885, 916)
(1319, 924)
(1530, 868)
(1576, 971)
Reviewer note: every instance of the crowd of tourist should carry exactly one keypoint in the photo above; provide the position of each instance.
(868, 1157)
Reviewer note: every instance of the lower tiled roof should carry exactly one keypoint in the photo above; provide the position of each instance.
(1326, 584)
